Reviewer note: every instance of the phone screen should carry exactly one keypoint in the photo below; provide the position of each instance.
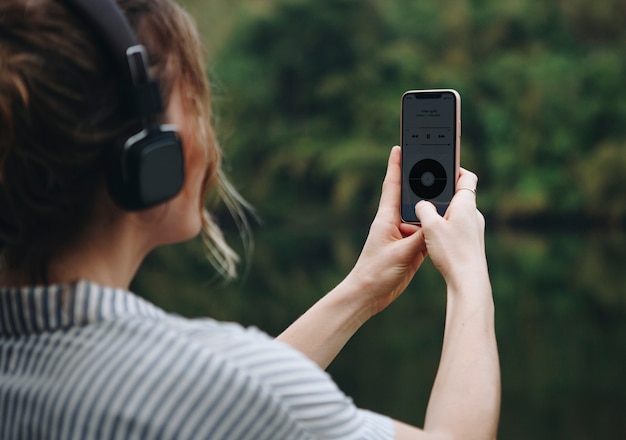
(429, 149)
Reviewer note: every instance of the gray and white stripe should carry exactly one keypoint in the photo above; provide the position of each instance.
(82, 361)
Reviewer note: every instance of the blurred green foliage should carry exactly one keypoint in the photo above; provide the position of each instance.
(308, 96)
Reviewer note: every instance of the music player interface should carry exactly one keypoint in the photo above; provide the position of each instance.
(428, 141)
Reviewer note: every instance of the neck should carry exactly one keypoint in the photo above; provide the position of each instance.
(109, 258)
(109, 254)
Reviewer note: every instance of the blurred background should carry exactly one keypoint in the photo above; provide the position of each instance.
(307, 98)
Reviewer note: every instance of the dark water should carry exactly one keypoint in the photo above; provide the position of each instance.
(561, 322)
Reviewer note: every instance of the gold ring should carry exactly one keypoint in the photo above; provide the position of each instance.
(467, 188)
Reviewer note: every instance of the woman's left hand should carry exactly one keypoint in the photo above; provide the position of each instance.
(393, 251)
(390, 257)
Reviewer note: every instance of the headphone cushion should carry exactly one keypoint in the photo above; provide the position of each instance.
(148, 170)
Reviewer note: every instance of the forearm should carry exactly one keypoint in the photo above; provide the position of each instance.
(465, 399)
(326, 327)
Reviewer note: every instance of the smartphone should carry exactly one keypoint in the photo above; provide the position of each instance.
(430, 138)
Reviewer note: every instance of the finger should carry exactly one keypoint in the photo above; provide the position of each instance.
(467, 179)
(426, 213)
(465, 188)
(407, 229)
(414, 238)
(390, 197)
(416, 246)
(480, 220)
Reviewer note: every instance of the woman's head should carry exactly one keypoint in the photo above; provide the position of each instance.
(61, 112)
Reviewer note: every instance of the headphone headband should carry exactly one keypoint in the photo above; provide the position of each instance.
(130, 57)
(111, 26)
(148, 169)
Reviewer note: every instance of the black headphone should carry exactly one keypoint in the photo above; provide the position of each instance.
(148, 168)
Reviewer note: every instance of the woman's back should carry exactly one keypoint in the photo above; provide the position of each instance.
(84, 361)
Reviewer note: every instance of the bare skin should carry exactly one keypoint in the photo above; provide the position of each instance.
(465, 399)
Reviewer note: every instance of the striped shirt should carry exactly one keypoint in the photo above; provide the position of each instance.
(83, 361)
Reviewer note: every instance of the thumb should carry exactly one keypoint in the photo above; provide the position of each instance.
(426, 212)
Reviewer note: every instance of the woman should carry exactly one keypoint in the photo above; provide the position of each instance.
(81, 357)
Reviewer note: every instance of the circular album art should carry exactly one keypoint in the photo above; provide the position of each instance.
(428, 178)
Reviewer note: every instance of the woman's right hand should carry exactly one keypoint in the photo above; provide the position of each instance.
(455, 242)
(465, 399)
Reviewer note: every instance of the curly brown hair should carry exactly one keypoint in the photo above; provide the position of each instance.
(60, 110)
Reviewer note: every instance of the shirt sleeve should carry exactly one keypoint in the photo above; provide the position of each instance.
(259, 388)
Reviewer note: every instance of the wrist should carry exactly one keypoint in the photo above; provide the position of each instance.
(352, 299)
(468, 277)
(323, 330)
(473, 295)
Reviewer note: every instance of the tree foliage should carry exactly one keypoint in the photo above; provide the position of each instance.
(309, 99)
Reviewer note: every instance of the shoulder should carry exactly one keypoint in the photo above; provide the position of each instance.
(172, 377)
(244, 381)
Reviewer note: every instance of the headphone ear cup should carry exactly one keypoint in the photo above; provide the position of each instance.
(148, 170)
